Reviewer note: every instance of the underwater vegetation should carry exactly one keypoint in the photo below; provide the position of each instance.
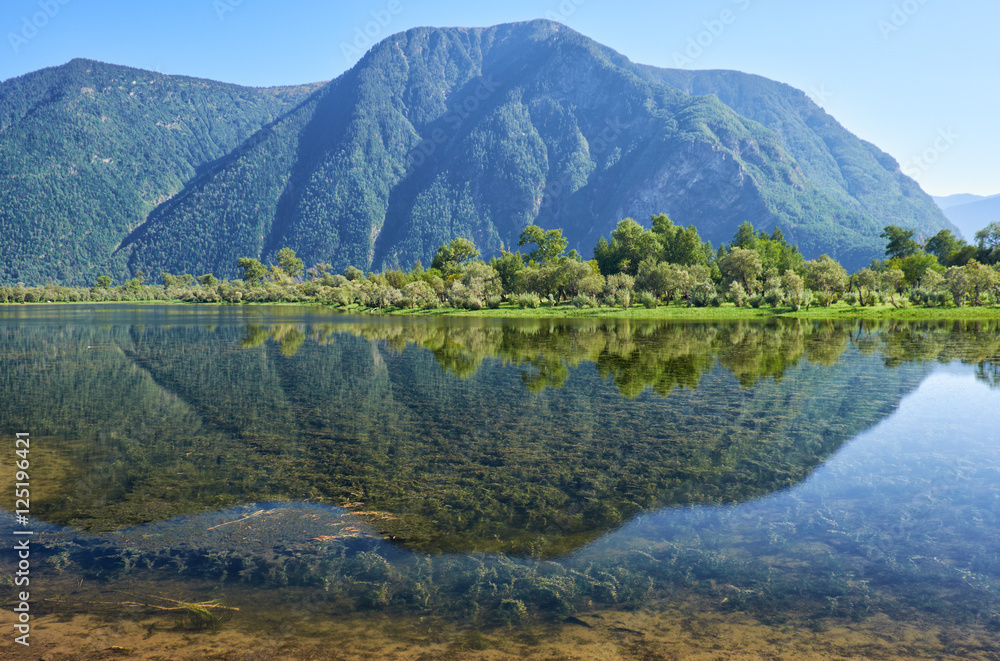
(500, 475)
(530, 437)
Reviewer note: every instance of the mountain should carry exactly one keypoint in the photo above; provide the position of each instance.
(856, 174)
(948, 201)
(89, 149)
(970, 213)
(437, 133)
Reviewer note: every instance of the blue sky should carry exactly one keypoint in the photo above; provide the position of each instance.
(919, 78)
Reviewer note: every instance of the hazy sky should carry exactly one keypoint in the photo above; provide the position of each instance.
(919, 78)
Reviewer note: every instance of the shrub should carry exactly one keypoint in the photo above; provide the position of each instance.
(799, 299)
(493, 302)
(342, 296)
(584, 301)
(528, 300)
(419, 294)
(703, 294)
(385, 296)
(824, 298)
(619, 290)
(648, 300)
(737, 294)
(774, 296)
(920, 296)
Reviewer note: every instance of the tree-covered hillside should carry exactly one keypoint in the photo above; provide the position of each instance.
(480, 132)
(856, 174)
(435, 133)
(89, 149)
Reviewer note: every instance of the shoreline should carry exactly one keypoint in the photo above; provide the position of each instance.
(726, 312)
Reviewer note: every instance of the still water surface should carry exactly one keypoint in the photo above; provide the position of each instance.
(244, 483)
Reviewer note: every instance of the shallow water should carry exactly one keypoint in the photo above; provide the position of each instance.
(341, 487)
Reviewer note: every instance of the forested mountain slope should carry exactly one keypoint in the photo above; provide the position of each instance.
(479, 132)
(88, 149)
(435, 133)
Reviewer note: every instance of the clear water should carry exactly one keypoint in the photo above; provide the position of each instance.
(341, 487)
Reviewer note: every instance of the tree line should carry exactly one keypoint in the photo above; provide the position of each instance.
(664, 265)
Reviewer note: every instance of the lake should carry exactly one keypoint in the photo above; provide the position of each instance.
(289, 483)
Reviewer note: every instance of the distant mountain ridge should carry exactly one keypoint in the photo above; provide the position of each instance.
(948, 201)
(970, 213)
(437, 133)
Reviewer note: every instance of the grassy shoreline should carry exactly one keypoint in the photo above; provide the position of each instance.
(727, 311)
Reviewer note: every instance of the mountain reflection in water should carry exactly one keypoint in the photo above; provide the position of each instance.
(505, 471)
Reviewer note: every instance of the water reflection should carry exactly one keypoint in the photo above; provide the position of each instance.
(473, 480)
(529, 437)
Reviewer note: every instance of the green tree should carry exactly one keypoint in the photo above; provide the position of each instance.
(988, 240)
(943, 245)
(901, 243)
(619, 288)
(963, 256)
(744, 266)
(793, 284)
(775, 252)
(957, 281)
(680, 245)
(507, 266)
(289, 263)
(865, 281)
(451, 255)
(982, 280)
(916, 266)
(630, 245)
(746, 237)
(891, 281)
(583, 278)
(550, 245)
(826, 274)
(251, 270)
(103, 282)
